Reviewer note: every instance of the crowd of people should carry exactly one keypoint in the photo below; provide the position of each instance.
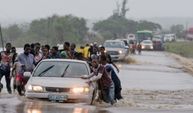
(103, 71)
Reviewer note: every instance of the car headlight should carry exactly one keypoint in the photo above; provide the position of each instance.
(120, 52)
(29, 88)
(80, 90)
(34, 111)
(151, 47)
(143, 47)
(35, 88)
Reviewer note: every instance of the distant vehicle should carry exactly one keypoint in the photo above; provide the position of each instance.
(116, 49)
(144, 35)
(127, 45)
(147, 45)
(169, 37)
(189, 35)
(158, 44)
(60, 46)
(159, 37)
(125, 41)
(60, 80)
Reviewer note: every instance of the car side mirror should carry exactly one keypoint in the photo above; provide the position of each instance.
(27, 74)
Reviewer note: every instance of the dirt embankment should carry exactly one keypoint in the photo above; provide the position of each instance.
(185, 62)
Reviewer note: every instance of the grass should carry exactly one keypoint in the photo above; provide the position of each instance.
(182, 48)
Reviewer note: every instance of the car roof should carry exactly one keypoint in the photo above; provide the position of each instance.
(145, 31)
(114, 41)
(121, 39)
(157, 40)
(147, 41)
(63, 60)
(169, 34)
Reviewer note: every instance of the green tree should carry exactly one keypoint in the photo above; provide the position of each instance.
(51, 30)
(178, 30)
(146, 25)
(58, 29)
(115, 26)
(12, 33)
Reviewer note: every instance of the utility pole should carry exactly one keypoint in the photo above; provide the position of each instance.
(2, 41)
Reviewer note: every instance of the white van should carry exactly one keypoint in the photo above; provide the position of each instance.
(169, 37)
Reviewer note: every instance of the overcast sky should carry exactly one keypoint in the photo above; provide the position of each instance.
(93, 9)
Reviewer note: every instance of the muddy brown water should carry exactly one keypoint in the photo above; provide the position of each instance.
(157, 84)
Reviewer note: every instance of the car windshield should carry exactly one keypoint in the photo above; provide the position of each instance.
(114, 44)
(167, 36)
(144, 36)
(147, 42)
(61, 69)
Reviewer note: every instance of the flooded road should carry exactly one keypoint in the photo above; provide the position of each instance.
(155, 84)
(156, 81)
(155, 71)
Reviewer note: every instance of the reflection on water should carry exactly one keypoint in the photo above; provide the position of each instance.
(52, 109)
(119, 65)
(80, 110)
(34, 111)
(41, 107)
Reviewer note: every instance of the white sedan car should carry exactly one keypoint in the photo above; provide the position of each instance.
(60, 80)
(147, 45)
(116, 49)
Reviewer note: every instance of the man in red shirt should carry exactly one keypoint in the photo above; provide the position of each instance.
(5, 66)
(104, 80)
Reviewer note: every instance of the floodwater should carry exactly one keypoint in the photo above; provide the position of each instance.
(157, 81)
(156, 84)
(155, 71)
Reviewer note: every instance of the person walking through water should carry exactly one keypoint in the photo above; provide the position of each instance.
(108, 57)
(103, 78)
(139, 48)
(5, 67)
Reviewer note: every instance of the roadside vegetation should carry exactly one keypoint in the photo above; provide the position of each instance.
(182, 48)
(119, 26)
(51, 30)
